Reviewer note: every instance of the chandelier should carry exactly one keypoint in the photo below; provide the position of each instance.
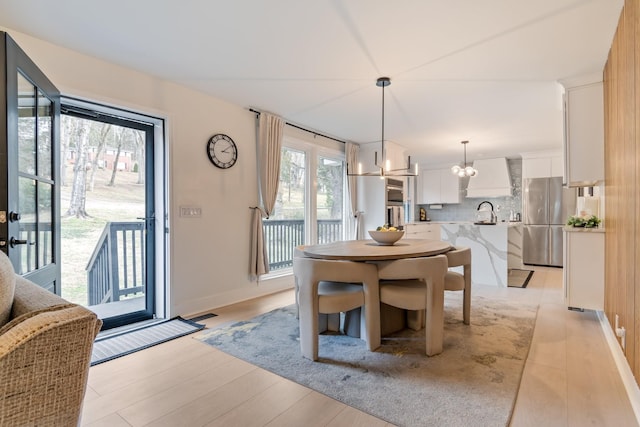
(384, 165)
(464, 170)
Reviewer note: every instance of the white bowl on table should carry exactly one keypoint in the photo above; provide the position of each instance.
(386, 238)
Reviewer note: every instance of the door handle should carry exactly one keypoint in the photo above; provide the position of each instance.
(13, 242)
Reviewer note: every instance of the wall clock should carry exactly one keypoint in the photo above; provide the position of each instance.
(222, 151)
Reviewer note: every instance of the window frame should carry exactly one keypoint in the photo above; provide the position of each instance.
(314, 150)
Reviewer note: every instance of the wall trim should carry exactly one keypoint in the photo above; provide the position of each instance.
(262, 288)
(629, 381)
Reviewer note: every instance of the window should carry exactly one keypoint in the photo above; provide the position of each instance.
(311, 191)
(330, 199)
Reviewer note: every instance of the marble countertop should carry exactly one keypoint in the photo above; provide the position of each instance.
(502, 223)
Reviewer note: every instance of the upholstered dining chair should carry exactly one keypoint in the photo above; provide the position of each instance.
(455, 281)
(417, 285)
(326, 322)
(328, 286)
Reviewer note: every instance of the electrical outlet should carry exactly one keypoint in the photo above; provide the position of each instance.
(190, 211)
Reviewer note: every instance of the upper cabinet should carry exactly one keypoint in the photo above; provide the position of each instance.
(542, 164)
(584, 135)
(438, 186)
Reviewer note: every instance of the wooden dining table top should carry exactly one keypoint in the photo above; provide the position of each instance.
(369, 250)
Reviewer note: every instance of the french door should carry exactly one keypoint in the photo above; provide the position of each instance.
(29, 146)
(119, 281)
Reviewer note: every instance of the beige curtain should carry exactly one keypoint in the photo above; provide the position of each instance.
(351, 151)
(269, 142)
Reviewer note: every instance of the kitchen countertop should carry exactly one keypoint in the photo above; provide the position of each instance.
(509, 223)
(493, 247)
(583, 230)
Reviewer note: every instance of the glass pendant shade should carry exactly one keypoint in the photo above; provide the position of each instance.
(464, 170)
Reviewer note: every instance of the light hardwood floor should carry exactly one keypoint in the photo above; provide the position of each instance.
(569, 379)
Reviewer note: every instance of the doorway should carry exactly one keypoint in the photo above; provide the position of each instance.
(108, 212)
(106, 183)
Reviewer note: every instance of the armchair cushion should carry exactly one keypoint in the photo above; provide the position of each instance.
(7, 288)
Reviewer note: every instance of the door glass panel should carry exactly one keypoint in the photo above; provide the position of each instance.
(45, 113)
(27, 209)
(284, 230)
(31, 140)
(26, 126)
(329, 199)
(45, 233)
(107, 216)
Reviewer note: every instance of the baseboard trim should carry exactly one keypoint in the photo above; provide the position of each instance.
(258, 289)
(629, 381)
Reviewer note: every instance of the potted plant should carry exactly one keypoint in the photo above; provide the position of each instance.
(584, 220)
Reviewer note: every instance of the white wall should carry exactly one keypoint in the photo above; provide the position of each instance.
(208, 256)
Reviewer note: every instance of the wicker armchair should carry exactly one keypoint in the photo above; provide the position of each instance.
(45, 351)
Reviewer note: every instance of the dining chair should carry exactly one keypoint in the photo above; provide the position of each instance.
(326, 322)
(455, 281)
(329, 286)
(417, 285)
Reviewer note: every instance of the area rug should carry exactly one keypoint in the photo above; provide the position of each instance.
(474, 382)
(127, 342)
(519, 278)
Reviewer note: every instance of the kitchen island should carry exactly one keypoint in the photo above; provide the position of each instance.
(494, 248)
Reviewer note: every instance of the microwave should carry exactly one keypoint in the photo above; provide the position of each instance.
(395, 191)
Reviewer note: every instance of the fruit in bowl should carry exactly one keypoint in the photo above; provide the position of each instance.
(385, 235)
(386, 228)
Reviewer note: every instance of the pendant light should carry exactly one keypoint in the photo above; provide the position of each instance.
(384, 168)
(464, 170)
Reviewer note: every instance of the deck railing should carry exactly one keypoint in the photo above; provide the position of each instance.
(282, 236)
(116, 267)
(32, 255)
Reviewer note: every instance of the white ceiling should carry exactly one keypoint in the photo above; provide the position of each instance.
(479, 70)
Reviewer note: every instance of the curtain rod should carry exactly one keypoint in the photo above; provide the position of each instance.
(303, 129)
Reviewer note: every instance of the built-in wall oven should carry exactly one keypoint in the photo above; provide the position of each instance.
(395, 202)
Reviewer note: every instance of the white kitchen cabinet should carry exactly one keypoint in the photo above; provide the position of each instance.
(449, 187)
(584, 135)
(438, 186)
(422, 231)
(543, 164)
(583, 273)
(557, 166)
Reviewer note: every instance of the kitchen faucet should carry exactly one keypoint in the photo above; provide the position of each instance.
(494, 217)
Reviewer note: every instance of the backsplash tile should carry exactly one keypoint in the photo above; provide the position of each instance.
(466, 210)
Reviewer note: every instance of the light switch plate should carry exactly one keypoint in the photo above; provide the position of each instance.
(191, 211)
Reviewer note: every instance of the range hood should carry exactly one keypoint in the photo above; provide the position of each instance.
(492, 180)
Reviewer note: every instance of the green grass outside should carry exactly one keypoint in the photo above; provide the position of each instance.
(79, 236)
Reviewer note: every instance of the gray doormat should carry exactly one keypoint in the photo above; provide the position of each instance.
(519, 278)
(127, 342)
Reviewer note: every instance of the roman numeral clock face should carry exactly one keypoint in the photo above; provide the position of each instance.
(222, 151)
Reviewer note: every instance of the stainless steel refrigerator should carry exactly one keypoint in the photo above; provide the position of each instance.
(546, 206)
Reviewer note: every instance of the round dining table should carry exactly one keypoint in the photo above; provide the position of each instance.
(370, 251)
